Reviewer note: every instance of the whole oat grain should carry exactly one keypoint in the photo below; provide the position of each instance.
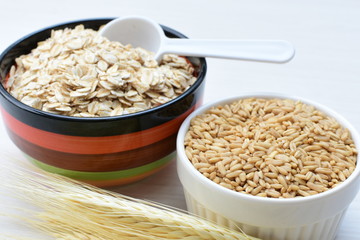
(77, 72)
(276, 148)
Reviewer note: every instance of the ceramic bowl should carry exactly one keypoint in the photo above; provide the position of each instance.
(103, 151)
(313, 217)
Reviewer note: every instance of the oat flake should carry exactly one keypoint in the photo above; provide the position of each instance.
(77, 72)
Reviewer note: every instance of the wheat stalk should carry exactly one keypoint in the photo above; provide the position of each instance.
(73, 210)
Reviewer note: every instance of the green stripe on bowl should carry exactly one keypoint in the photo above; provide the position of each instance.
(104, 175)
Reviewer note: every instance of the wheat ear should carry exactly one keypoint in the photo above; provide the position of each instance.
(74, 210)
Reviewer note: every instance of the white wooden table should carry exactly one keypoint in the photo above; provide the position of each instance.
(326, 68)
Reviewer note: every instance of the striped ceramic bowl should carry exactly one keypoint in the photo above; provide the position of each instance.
(102, 151)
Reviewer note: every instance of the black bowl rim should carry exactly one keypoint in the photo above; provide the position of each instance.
(19, 104)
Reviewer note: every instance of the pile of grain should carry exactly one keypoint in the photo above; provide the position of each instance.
(77, 72)
(271, 148)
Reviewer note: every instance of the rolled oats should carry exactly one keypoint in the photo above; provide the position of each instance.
(77, 72)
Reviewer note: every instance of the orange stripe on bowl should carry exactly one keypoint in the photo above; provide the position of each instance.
(94, 145)
(120, 161)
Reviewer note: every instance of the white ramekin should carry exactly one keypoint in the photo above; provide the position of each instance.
(314, 217)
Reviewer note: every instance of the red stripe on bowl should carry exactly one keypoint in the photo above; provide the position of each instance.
(94, 145)
(97, 162)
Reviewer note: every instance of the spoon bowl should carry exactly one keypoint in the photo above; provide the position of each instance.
(146, 33)
(137, 31)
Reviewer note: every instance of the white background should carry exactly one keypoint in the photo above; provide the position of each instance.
(326, 68)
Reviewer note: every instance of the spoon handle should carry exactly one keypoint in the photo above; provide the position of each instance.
(277, 51)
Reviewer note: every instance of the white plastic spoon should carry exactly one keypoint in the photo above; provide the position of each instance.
(143, 32)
